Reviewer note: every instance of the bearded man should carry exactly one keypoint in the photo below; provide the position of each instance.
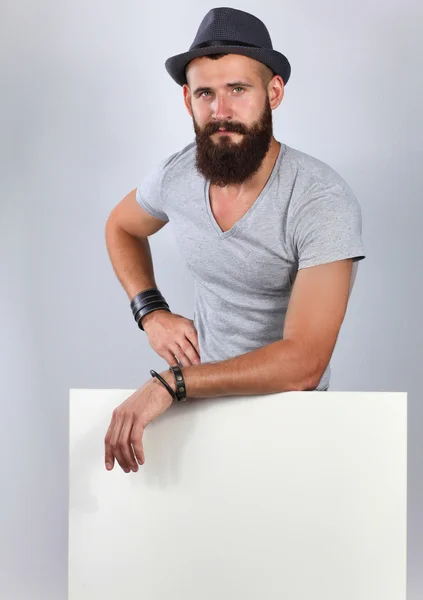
(270, 235)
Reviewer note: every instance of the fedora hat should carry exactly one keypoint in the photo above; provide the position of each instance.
(229, 30)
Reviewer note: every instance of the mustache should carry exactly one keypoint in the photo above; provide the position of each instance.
(212, 128)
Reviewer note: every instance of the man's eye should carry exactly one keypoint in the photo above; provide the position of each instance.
(208, 92)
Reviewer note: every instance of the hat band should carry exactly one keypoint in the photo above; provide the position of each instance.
(223, 43)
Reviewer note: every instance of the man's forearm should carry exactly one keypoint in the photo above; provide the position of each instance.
(131, 259)
(277, 367)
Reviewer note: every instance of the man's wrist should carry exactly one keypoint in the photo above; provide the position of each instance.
(170, 380)
(151, 317)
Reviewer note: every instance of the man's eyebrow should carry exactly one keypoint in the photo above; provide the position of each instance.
(232, 84)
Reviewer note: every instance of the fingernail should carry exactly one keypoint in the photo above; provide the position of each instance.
(108, 466)
(126, 470)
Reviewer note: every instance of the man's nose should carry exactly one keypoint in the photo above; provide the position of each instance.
(221, 107)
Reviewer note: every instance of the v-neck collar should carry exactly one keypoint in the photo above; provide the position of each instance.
(237, 224)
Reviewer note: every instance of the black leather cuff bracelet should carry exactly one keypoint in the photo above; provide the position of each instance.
(154, 304)
(144, 297)
(147, 301)
(148, 309)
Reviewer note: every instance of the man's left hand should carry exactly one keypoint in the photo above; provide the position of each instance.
(123, 440)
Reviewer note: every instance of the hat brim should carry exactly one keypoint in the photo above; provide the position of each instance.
(175, 65)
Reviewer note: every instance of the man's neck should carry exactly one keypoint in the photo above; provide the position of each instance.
(259, 179)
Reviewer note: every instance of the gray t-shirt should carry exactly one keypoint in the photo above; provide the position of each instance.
(306, 215)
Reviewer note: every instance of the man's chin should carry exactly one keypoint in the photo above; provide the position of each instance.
(227, 138)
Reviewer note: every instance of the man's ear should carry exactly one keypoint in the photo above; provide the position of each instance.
(187, 98)
(276, 89)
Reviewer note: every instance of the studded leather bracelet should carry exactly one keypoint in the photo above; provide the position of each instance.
(180, 395)
(181, 390)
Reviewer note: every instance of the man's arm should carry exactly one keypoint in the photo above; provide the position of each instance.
(315, 313)
(297, 362)
(127, 230)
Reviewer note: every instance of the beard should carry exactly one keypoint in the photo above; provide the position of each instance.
(226, 162)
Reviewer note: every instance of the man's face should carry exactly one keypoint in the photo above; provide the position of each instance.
(228, 94)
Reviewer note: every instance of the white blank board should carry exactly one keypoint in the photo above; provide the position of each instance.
(297, 496)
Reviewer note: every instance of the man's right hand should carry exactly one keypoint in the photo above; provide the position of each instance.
(173, 337)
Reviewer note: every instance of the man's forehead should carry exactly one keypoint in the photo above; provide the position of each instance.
(232, 67)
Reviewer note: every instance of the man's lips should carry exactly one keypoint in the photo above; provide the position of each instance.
(225, 131)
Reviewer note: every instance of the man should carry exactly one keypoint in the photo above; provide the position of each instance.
(269, 234)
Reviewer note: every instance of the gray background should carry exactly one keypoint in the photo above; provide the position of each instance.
(86, 109)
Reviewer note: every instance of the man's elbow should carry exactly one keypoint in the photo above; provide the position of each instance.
(310, 376)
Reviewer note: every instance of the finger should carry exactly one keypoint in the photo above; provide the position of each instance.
(125, 443)
(192, 337)
(108, 451)
(190, 351)
(137, 433)
(169, 358)
(180, 355)
(115, 444)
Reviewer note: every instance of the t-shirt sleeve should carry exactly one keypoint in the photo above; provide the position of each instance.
(327, 226)
(150, 193)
